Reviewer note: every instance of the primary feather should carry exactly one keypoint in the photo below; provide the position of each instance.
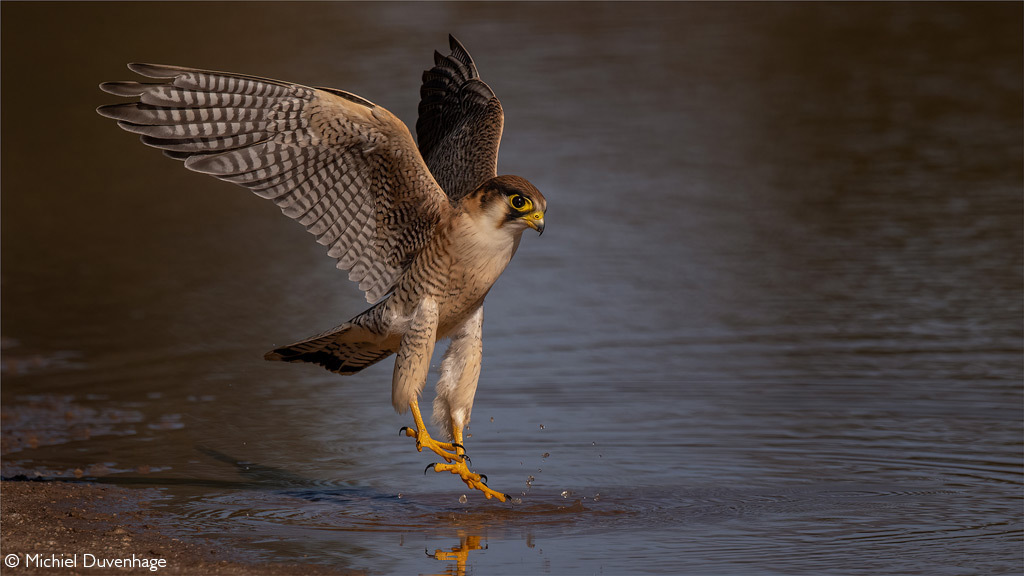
(345, 168)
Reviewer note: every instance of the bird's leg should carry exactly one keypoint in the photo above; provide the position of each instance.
(472, 479)
(411, 369)
(445, 450)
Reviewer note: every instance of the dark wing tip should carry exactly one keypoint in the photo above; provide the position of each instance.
(125, 89)
(460, 53)
(155, 70)
(458, 113)
(457, 47)
(115, 111)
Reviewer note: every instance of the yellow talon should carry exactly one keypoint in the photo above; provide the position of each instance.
(472, 479)
(423, 440)
(450, 451)
(445, 450)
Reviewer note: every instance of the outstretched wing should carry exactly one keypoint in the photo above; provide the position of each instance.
(342, 166)
(460, 123)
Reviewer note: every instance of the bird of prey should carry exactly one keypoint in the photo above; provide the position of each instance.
(425, 230)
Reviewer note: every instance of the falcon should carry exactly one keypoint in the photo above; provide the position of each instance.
(424, 230)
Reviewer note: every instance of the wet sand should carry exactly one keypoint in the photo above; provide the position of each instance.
(67, 521)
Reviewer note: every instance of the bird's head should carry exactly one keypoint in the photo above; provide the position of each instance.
(511, 203)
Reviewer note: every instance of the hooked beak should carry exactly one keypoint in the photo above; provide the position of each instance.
(535, 220)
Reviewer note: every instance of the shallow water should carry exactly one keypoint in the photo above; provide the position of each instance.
(773, 326)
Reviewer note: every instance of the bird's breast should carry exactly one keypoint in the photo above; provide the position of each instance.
(478, 257)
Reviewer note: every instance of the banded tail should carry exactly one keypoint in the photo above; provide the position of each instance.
(344, 350)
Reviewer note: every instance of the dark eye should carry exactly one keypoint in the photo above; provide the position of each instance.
(517, 201)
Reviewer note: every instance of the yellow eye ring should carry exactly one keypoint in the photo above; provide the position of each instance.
(520, 203)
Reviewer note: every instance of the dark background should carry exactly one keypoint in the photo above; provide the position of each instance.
(774, 324)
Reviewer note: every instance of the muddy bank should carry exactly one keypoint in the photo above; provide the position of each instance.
(80, 528)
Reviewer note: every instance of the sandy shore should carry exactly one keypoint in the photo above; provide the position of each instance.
(79, 528)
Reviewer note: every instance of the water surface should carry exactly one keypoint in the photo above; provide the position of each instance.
(774, 325)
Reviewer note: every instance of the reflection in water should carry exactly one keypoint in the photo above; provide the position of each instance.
(774, 322)
(459, 553)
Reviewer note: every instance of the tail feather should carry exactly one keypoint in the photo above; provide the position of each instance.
(344, 350)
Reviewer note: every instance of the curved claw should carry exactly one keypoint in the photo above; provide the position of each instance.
(429, 466)
(401, 431)
(463, 455)
(483, 478)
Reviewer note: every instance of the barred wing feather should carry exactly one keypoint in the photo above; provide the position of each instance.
(460, 123)
(346, 169)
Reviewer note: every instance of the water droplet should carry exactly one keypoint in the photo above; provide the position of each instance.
(492, 418)
(463, 499)
(541, 426)
(546, 454)
(530, 479)
(400, 495)
(517, 500)
(566, 493)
